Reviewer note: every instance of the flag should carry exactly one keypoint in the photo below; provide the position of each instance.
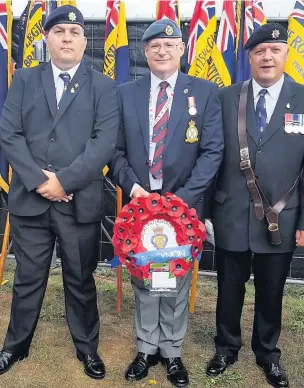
(168, 9)
(66, 2)
(31, 23)
(249, 15)
(295, 62)
(239, 19)
(201, 38)
(116, 58)
(6, 20)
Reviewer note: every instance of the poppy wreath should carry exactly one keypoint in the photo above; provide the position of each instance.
(129, 225)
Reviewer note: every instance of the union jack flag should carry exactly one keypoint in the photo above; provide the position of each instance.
(203, 12)
(168, 9)
(227, 34)
(112, 14)
(254, 17)
(298, 12)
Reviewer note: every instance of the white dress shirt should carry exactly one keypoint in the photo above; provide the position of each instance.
(271, 97)
(59, 84)
(156, 184)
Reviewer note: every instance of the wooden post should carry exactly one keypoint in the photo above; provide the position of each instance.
(119, 269)
(193, 286)
(4, 249)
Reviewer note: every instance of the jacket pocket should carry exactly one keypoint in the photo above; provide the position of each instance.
(220, 196)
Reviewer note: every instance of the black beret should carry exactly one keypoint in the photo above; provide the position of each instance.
(164, 28)
(66, 14)
(267, 33)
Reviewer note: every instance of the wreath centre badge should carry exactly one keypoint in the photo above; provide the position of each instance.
(191, 133)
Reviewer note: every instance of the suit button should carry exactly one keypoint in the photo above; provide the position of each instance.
(251, 200)
(50, 166)
(52, 140)
(259, 151)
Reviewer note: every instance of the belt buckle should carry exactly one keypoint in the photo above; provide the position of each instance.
(244, 164)
(273, 227)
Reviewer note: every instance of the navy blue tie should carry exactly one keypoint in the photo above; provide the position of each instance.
(66, 80)
(261, 113)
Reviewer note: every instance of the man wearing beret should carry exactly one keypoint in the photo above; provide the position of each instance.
(258, 209)
(170, 140)
(58, 130)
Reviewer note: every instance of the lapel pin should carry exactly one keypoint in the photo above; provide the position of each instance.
(185, 91)
(73, 90)
(76, 86)
(287, 105)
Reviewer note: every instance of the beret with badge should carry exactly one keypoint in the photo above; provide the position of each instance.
(163, 28)
(66, 14)
(267, 33)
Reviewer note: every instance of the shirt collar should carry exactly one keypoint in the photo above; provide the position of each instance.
(274, 90)
(57, 71)
(155, 81)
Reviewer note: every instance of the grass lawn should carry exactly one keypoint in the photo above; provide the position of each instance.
(52, 362)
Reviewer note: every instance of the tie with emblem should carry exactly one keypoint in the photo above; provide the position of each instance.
(261, 114)
(66, 80)
(160, 131)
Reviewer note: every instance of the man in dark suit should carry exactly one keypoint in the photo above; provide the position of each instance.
(170, 140)
(276, 151)
(58, 130)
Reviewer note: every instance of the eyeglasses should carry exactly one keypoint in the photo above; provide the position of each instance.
(169, 47)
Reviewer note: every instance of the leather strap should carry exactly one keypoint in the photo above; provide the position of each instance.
(262, 206)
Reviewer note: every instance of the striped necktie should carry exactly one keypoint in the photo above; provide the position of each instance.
(160, 132)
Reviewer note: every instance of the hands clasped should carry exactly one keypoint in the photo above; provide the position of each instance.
(52, 189)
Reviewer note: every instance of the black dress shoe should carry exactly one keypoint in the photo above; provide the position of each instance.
(139, 367)
(93, 365)
(275, 374)
(219, 363)
(7, 360)
(177, 374)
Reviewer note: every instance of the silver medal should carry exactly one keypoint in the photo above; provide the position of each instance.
(192, 111)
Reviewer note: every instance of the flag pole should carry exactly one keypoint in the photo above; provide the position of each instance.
(4, 250)
(7, 230)
(193, 286)
(119, 268)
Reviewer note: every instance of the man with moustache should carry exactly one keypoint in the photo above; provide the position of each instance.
(258, 209)
(58, 130)
(157, 152)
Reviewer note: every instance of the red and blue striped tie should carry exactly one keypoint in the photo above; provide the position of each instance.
(160, 131)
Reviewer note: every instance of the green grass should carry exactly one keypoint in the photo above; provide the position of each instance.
(52, 362)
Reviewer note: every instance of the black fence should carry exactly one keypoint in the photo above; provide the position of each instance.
(94, 57)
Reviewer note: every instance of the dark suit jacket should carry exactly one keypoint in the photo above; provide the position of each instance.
(188, 168)
(75, 141)
(277, 161)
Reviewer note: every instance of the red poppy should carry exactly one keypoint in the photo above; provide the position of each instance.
(191, 229)
(180, 267)
(176, 208)
(129, 244)
(131, 209)
(168, 197)
(154, 203)
(121, 229)
(145, 270)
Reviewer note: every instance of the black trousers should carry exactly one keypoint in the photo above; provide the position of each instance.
(270, 272)
(33, 241)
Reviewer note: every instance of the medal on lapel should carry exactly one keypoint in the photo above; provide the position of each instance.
(192, 106)
(191, 133)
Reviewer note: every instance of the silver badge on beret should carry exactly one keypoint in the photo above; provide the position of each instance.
(275, 34)
(72, 16)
